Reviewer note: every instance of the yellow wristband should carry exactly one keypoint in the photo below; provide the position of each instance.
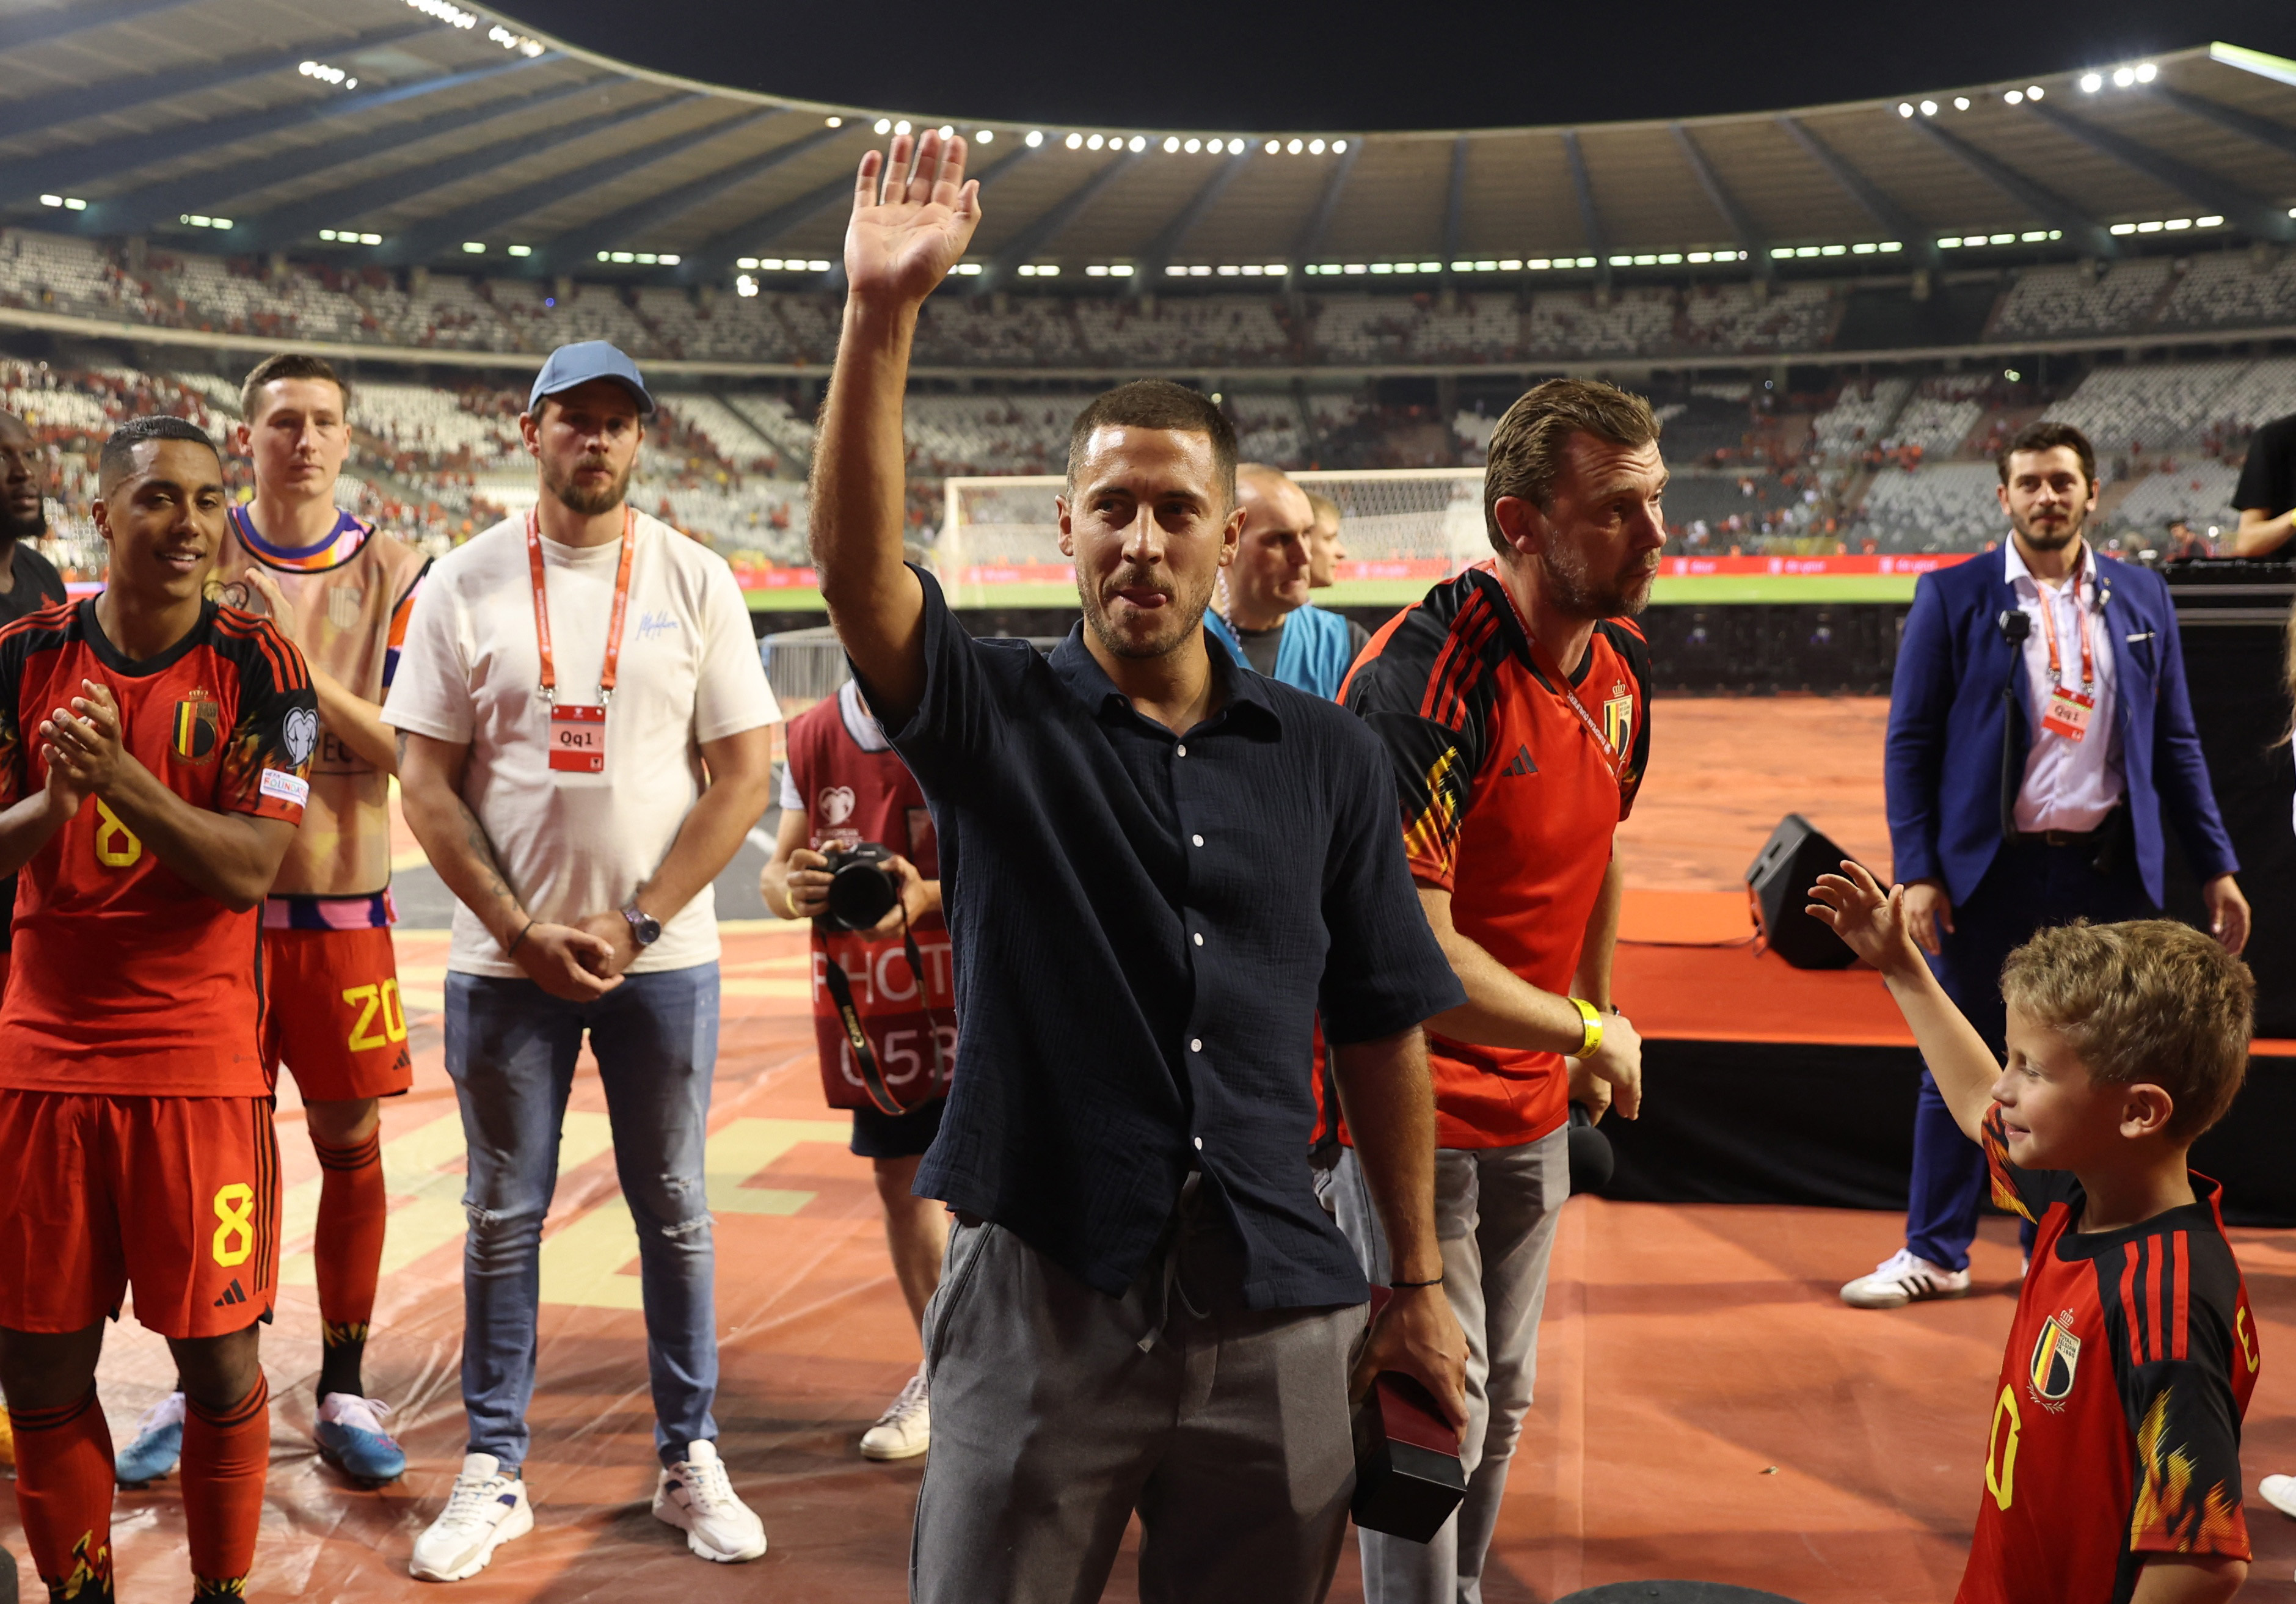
(789, 901)
(1590, 1019)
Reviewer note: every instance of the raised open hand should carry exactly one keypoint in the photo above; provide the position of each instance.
(1870, 920)
(914, 213)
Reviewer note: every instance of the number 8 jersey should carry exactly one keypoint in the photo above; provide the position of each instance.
(127, 981)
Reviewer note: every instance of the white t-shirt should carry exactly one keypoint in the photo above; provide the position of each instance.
(471, 672)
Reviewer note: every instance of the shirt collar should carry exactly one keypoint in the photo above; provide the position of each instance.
(2085, 576)
(1241, 694)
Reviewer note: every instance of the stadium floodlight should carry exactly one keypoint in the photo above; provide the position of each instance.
(2177, 223)
(1075, 142)
(1200, 271)
(646, 258)
(454, 16)
(326, 74)
(745, 286)
(605, 256)
(2015, 97)
(1961, 103)
(1537, 264)
(2034, 92)
(1431, 266)
(621, 255)
(746, 264)
(1491, 266)
(1090, 144)
(985, 137)
(2147, 72)
(1779, 251)
(2122, 77)
(1463, 267)
(1120, 270)
(1905, 108)
(1036, 137)
(1295, 146)
(370, 239)
(2001, 239)
(816, 266)
(1175, 271)
(1136, 143)
(969, 269)
(832, 122)
(1511, 265)
(520, 250)
(1355, 267)
(1235, 147)
(2208, 223)
(2091, 82)
(1229, 270)
(1890, 245)
(1192, 146)
(1929, 108)
(1383, 268)
(902, 127)
(1340, 146)
(2011, 374)
(1272, 146)
(884, 125)
(1700, 255)
(474, 247)
(1315, 147)
(947, 132)
(2032, 235)
(774, 264)
(1171, 144)
(59, 201)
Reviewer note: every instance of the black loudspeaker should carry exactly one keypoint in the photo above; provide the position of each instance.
(1779, 880)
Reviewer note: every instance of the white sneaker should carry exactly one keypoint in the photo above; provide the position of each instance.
(694, 1496)
(1902, 1279)
(905, 1430)
(486, 1510)
(2280, 1492)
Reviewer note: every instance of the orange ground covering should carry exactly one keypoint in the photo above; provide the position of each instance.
(1707, 1407)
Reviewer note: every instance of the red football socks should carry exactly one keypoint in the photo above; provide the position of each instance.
(352, 1206)
(63, 1496)
(225, 1454)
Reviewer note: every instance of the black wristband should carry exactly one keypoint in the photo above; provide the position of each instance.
(514, 940)
(1435, 1282)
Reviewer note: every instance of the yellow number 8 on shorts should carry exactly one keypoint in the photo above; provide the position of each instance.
(234, 1236)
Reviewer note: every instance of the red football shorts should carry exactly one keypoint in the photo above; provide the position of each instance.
(177, 1197)
(333, 1016)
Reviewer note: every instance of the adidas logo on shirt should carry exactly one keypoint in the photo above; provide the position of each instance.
(1522, 764)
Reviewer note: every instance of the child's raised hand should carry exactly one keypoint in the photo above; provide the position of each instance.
(1870, 920)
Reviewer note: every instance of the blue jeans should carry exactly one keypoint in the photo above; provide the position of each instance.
(511, 1049)
(2029, 888)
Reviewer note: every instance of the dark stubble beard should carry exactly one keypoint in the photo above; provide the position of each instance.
(1181, 614)
(589, 503)
(2041, 540)
(1573, 590)
(14, 530)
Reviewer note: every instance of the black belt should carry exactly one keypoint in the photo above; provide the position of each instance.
(2058, 838)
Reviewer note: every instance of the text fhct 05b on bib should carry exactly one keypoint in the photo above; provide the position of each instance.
(577, 735)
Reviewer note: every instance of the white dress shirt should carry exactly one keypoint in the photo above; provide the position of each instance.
(2069, 784)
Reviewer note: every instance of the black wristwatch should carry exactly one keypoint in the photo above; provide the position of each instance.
(645, 930)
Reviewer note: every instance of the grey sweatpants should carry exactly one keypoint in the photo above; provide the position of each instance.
(1496, 1210)
(1055, 1417)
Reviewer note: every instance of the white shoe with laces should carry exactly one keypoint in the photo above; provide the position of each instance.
(486, 1510)
(905, 1430)
(695, 1496)
(2280, 1492)
(1905, 1278)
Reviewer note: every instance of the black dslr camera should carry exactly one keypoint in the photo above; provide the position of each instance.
(862, 890)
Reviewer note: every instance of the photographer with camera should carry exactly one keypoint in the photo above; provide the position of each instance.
(856, 854)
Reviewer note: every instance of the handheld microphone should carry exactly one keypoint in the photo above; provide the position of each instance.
(2013, 624)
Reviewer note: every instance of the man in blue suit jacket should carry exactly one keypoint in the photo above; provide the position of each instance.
(2039, 731)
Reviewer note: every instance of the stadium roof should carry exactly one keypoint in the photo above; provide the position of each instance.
(417, 132)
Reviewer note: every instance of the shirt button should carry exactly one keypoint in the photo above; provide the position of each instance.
(1182, 749)
(1200, 1144)
(1200, 938)
(1199, 840)
(1195, 1043)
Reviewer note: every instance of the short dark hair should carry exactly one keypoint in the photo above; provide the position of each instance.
(2046, 436)
(118, 459)
(288, 365)
(1158, 404)
(1526, 452)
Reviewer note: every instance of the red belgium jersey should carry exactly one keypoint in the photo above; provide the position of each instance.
(2115, 1431)
(851, 794)
(126, 981)
(1510, 800)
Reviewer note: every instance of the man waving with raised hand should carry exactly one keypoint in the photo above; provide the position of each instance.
(1158, 868)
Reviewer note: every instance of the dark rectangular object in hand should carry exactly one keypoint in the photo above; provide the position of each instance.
(1408, 1479)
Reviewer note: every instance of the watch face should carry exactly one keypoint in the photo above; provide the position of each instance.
(644, 928)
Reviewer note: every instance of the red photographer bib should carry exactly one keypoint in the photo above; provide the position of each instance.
(852, 795)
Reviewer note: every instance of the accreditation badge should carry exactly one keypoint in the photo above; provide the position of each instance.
(2068, 712)
(577, 739)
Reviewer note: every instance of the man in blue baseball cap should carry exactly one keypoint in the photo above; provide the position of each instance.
(582, 842)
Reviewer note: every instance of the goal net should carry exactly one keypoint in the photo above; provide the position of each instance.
(1395, 523)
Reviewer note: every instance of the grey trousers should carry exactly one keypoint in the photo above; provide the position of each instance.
(1496, 1210)
(1058, 1411)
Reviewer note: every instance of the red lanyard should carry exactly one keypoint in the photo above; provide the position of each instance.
(2049, 629)
(542, 608)
(1555, 675)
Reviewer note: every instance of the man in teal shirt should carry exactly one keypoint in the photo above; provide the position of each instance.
(1260, 611)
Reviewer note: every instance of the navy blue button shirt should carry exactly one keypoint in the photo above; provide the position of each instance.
(1144, 927)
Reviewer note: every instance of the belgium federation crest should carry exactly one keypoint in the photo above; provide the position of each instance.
(1617, 718)
(2056, 1356)
(199, 726)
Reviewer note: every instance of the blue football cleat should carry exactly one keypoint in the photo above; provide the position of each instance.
(159, 1443)
(351, 1438)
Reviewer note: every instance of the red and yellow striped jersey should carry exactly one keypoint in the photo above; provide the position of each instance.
(2115, 1431)
(126, 979)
